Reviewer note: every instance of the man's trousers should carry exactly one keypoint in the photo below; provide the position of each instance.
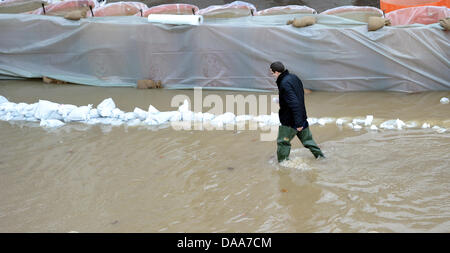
(285, 136)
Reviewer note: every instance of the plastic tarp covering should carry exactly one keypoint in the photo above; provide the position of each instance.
(335, 54)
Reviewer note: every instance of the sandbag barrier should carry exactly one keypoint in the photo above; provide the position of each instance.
(97, 8)
(54, 115)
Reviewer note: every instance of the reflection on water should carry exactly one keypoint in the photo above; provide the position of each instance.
(102, 178)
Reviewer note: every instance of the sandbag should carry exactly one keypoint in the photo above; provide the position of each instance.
(302, 22)
(357, 13)
(140, 114)
(93, 113)
(149, 84)
(445, 23)
(176, 9)
(418, 15)
(152, 110)
(77, 14)
(65, 109)
(47, 110)
(376, 23)
(159, 118)
(119, 9)
(49, 80)
(105, 107)
(288, 9)
(3, 100)
(79, 114)
(231, 10)
(26, 110)
(51, 123)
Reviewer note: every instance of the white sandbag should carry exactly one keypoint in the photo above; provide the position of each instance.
(393, 124)
(151, 121)
(173, 19)
(31, 119)
(439, 129)
(324, 121)
(141, 114)
(269, 120)
(312, 121)
(184, 107)
(152, 110)
(93, 113)
(6, 116)
(79, 114)
(130, 116)
(339, 122)
(161, 118)
(65, 110)
(187, 116)
(368, 121)
(116, 122)
(93, 121)
(105, 121)
(411, 124)
(373, 128)
(176, 116)
(426, 125)
(226, 118)
(20, 108)
(241, 118)
(208, 116)
(118, 114)
(358, 121)
(47, 110)
(105, 107)
(198, 117)
(53, 123)
(274, 119)
(3, 100)
(134, 122)
(443, 100)
(8, 107)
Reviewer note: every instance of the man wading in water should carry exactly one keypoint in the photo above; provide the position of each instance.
(292, 113)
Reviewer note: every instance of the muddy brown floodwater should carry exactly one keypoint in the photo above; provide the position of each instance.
(102, 178)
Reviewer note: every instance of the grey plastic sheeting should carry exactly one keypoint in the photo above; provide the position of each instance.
(336, 54)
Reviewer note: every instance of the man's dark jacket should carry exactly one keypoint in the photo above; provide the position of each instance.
(292, 102)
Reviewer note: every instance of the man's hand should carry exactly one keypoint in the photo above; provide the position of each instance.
(300, 129)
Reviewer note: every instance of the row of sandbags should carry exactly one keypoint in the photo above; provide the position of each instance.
(54, 115)
(99, 8)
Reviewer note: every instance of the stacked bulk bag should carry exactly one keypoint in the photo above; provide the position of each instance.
(357, 13)
(288, 9)
(65, 7)
(175, 9)
(392, 5)
(119, 9)
(231, 10)
(20, 6)
(418, 15)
